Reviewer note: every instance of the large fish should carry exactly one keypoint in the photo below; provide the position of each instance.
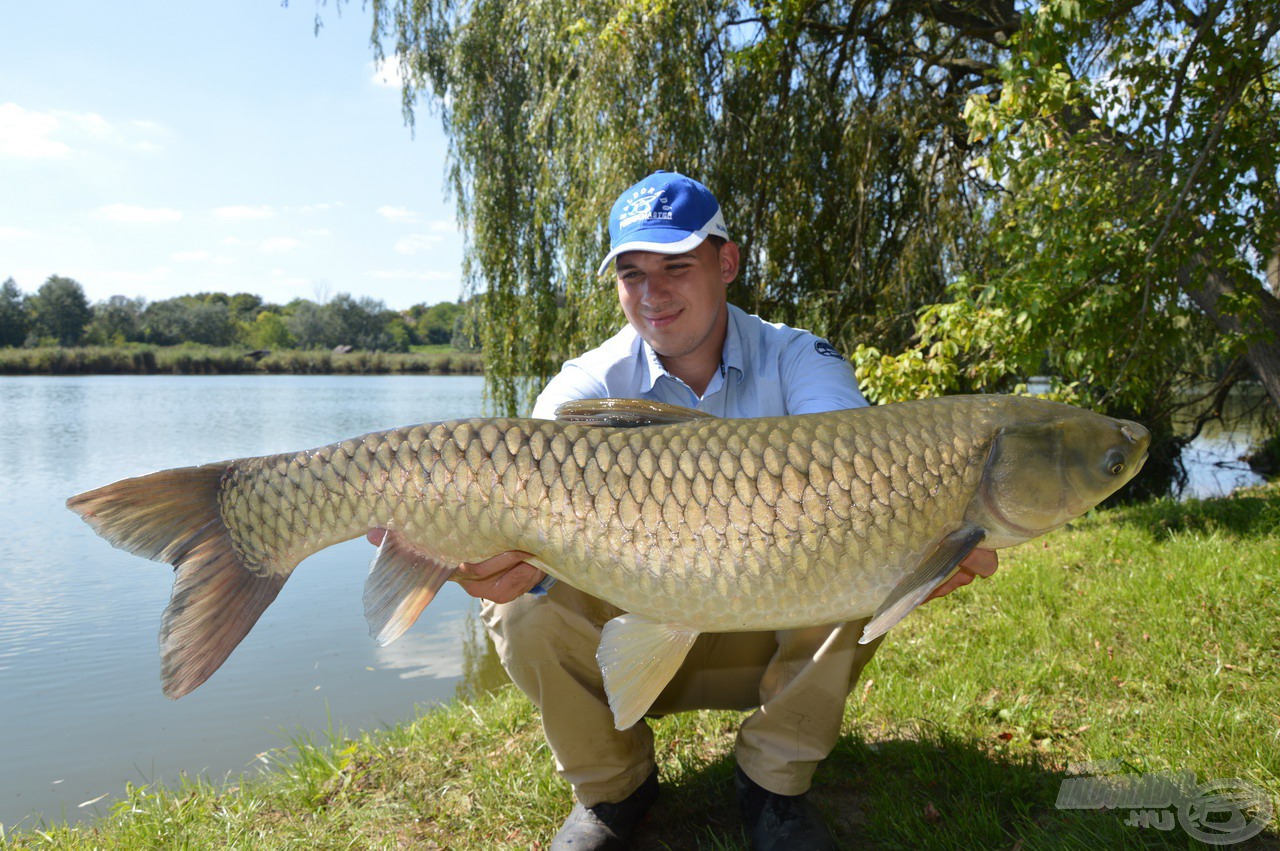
(689, 523)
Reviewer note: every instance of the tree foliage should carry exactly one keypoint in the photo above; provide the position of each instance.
(1134, 153)
(14, 323)
(831, 133)
(60, 311)
(116, 320)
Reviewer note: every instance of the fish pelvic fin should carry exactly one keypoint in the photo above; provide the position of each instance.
(173, 516)
(402, 582)
(914, 588)
(638, 656)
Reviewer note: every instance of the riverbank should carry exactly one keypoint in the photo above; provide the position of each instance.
(1148, 634)
(208, 360)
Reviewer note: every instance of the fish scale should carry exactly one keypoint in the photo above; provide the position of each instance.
(629, 496)
(694, 525)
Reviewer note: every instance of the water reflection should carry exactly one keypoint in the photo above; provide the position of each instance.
(80, 695)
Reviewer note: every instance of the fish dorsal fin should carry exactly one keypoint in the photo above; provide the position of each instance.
(626, 413)
(638, 656)
(402, 582)
(916, 586)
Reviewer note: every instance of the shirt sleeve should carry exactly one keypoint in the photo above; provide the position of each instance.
(817, 378)
(570, 384)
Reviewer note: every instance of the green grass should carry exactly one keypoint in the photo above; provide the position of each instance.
(1148, 634)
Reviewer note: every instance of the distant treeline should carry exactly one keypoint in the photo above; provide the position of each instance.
(189, 359)
(59, 314)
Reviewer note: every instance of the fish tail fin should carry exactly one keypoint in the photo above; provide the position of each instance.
(173, 516)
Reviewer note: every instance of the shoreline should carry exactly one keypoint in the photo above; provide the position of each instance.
(206, 360)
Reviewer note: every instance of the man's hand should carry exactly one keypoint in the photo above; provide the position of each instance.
(977, 563)
(501, 578)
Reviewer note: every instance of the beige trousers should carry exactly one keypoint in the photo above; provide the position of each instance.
(796, 681)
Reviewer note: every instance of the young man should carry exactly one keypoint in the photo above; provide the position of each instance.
(684, 344)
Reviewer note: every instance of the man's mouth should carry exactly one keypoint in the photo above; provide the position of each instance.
(663, 320)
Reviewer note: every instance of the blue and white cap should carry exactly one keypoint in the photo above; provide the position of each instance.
(667, 213)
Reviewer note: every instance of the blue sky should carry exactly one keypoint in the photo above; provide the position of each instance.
(161, 148)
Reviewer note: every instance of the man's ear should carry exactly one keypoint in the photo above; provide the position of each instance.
(728, 262)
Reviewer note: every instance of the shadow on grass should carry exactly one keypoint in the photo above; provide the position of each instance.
(917, 793)
(1254, 513)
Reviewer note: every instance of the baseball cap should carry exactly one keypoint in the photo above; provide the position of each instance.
(667, 213)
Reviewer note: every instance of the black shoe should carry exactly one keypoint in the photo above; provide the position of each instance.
(606, 826)
(783, 822)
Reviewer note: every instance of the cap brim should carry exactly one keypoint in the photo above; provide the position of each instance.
(689, 243)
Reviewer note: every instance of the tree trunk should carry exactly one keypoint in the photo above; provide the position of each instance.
(1207, 284)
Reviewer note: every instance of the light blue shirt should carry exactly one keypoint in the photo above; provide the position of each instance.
(766, 370)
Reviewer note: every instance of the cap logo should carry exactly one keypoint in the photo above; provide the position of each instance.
(645, 203)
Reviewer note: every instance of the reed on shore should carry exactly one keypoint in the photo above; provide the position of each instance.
(208, 360)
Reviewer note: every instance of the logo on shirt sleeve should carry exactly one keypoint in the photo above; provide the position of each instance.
(827, 350)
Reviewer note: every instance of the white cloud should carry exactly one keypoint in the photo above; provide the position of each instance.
(14, 233)
(243, 213)
(130, 214)
(415, 242)
(278, 244)
(57, 134)
(27, 134)
(398, 214)
(386, 72)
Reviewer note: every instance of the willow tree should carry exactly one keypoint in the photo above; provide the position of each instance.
(961, 194)
(831, 133)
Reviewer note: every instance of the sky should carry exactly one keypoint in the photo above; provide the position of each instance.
(157, 149)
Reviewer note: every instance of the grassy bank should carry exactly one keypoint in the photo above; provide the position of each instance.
(1149, 635)
(206, 360)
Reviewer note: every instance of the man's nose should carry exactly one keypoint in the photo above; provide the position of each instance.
(656, 287)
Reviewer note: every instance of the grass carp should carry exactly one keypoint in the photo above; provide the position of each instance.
(689, 523)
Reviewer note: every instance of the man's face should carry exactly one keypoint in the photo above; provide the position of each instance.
(677, 302)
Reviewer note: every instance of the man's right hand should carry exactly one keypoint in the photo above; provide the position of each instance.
(500, 579)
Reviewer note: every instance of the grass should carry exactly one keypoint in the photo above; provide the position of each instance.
(1148, 634)
(208, 360)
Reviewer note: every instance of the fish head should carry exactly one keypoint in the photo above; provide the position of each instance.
(1044, 472)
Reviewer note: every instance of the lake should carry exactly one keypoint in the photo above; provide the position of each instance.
(80, 703)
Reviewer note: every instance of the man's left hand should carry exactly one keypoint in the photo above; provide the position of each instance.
(977, 563)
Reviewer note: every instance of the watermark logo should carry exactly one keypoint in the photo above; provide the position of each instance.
(1219, 812)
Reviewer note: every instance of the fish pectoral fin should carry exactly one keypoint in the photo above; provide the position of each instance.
(638, 656)
(402, 582)
(626, 413)
(916, 586)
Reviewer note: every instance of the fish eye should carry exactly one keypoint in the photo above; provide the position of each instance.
(1115, 463)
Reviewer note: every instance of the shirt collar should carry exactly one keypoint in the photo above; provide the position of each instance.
(732, 356)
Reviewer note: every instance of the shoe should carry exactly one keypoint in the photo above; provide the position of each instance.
(781, 822)
(606, 826)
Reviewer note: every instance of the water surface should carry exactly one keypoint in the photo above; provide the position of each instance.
(81, 712)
